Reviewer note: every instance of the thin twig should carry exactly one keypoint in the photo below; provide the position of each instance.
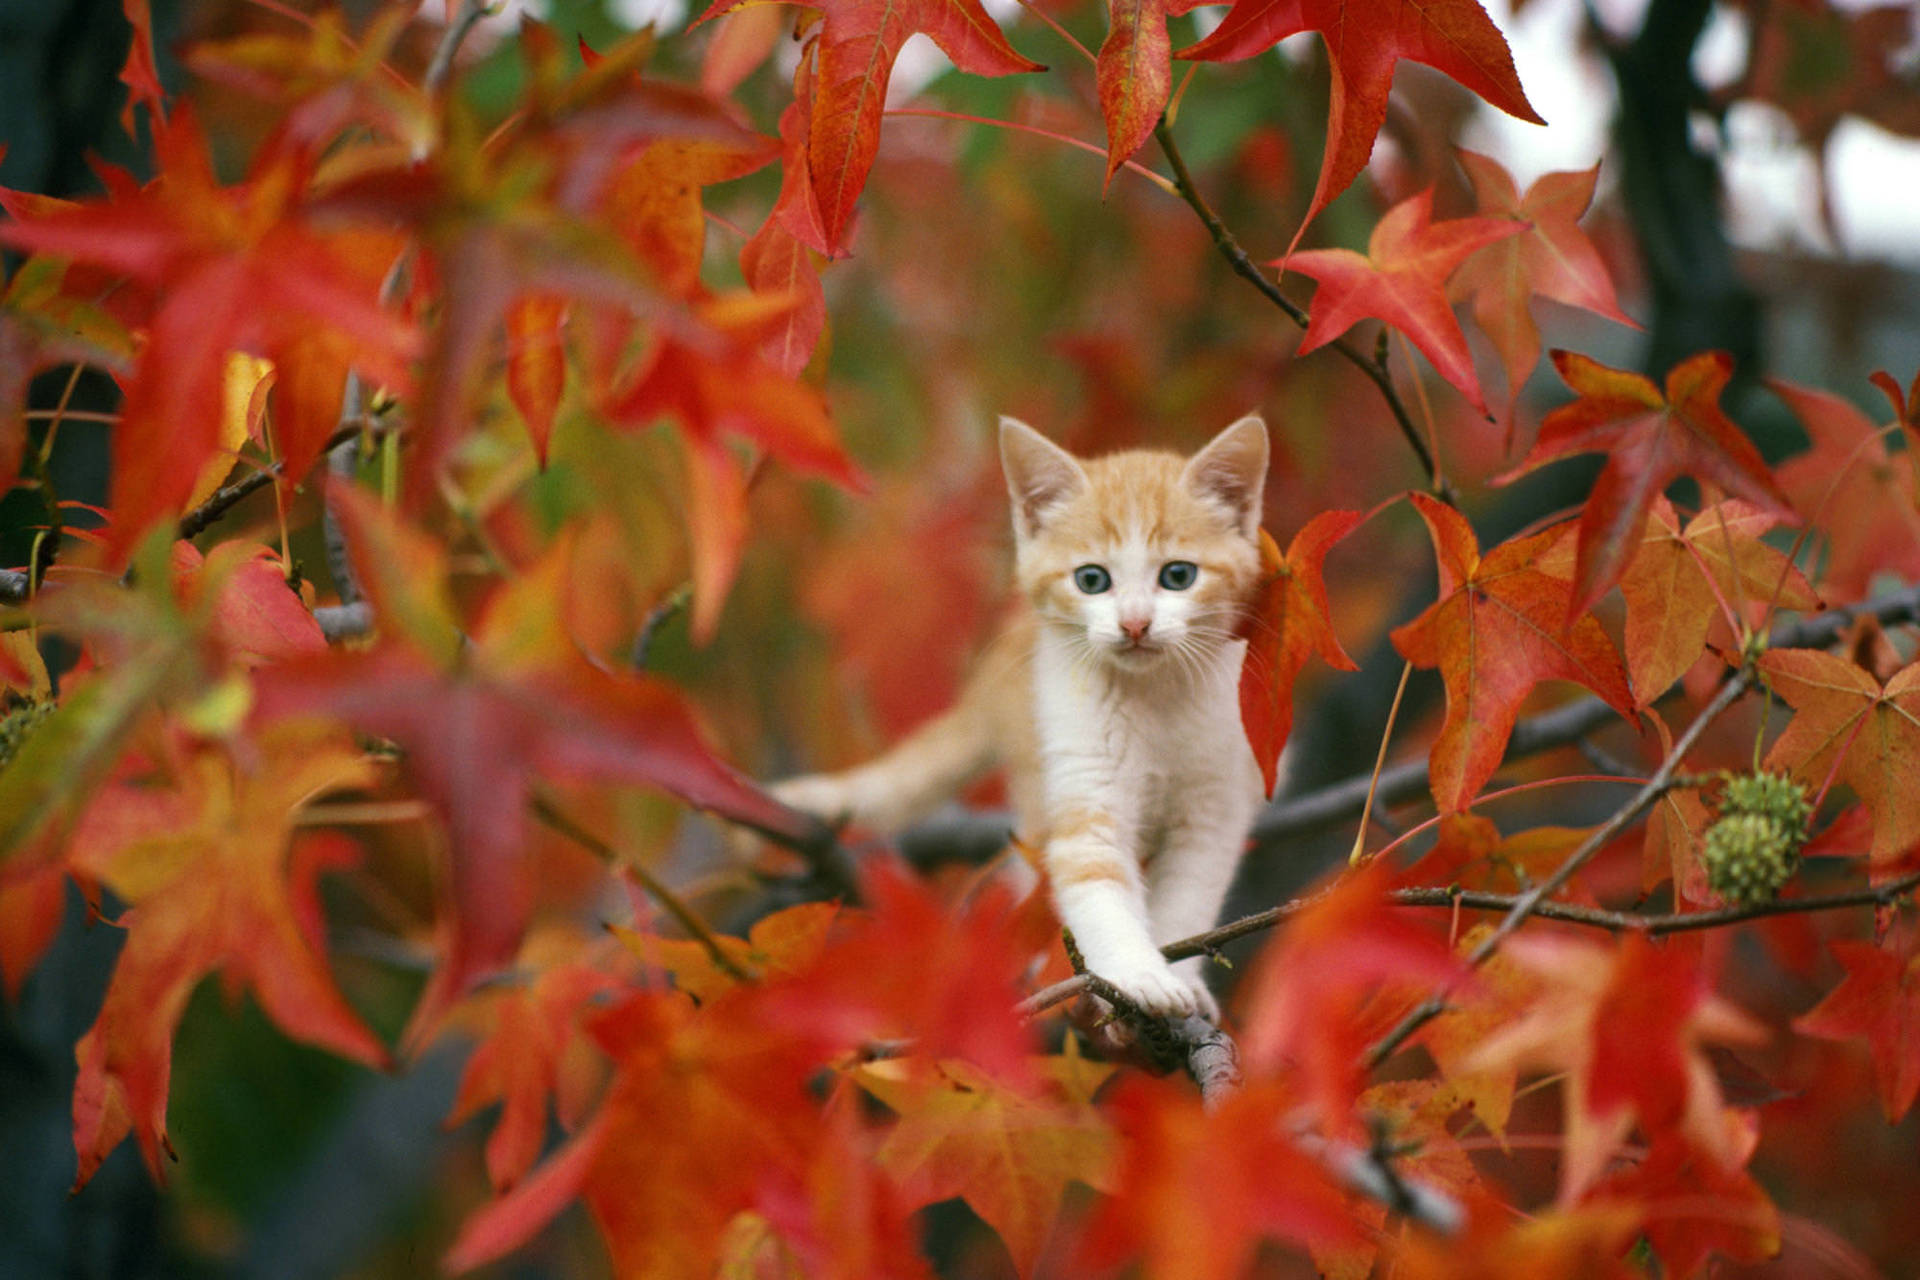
(554, 817)
(1374, 367)
(451, 39)
(1529, 902)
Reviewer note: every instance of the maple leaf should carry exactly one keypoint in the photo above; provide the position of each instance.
(1651, 439)
(1010, 1157)
(1693, 1208)
(1502, 990)
(1588, 1242)
(31, 908)
(1402, 280)
(1879, 1002)
(655, 200)
(203, 859)
(855, 51)
(1680, 580)
(1197, 1189)
(1364, 39)
(140, 73)
(955, 1001)
(232, 268)
(775, 263)
(1629, 1025)
(1305, 999)
(1848, 727)
(1852, 490)
(1134, 73)
(1551, 258)
(786, 942)
(1288, 620)
(713, 382)
(480, 725)
(1497, 630)
(537, 363)
(531, 1047)
(708, 1113)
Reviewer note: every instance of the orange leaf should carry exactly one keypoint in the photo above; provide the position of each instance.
(140, 73)
(1009, 1156)
(1678, 581)
(1402, 279)
(857, 45)
(1552, 258)
(1848, 727)
(1651, 439)
(1288, 620)
(1498, 629)
(203, 859)
(537, 363)
(1364, 39)
(1134, 73)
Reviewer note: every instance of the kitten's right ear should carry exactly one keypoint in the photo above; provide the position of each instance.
(1040, 474)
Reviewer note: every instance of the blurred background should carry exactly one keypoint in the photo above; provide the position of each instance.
(1759, 164)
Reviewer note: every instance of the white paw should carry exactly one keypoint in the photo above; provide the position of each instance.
(1192, 972)
(1155, 988)
(814, 793)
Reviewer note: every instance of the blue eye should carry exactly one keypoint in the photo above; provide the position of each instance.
(1092, 579)
(1178, 575)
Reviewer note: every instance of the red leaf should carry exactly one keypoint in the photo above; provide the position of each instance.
(234, 269)
(775, 263)
(1629, 1024)
(1199, 1189)
(480, 725)
(1651, 440)
(1288, 620)
(1134, 73)
(1304, 1004)
(203, 861)
(857, 45)
(140, 74)
(1879, 1002)
(1402, 280)
(1498, 629)
(1364, 39)
(1853, 491)
(1552, 258)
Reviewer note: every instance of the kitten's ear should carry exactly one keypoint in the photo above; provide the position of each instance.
(1040, 474)
(1232, 471)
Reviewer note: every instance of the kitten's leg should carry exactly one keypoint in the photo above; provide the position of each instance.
(1101, 900)
(1188, 879)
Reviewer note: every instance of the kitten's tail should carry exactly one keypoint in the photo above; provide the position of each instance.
(931, 764)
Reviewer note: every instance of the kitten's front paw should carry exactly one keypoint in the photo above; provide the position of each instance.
(1158, 990)
(816, 793)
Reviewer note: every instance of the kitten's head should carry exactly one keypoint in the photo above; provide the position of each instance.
(1148, 556)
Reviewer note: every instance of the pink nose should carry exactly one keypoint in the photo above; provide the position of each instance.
(1135, 628)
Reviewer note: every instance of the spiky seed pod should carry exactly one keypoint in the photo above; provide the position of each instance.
(20, 721)
(1748, 856)
(1754, 846)
(1770, 795)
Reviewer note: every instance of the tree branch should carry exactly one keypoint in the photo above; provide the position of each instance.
(1530, 901)
(1373, 366)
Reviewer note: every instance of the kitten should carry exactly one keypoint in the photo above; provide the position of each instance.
(1111, 701)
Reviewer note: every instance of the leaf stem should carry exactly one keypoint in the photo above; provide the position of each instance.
(930, 113)
(553, 816)
(1374, 367)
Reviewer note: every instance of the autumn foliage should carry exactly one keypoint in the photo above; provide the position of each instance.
(520, 439)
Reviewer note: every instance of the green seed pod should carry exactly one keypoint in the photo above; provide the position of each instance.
(1748, 856)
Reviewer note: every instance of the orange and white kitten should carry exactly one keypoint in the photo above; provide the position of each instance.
(1111, 701)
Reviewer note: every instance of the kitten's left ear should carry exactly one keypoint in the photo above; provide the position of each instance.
(1232, 470)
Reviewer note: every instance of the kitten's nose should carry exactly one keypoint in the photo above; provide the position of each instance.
(1135, 628)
